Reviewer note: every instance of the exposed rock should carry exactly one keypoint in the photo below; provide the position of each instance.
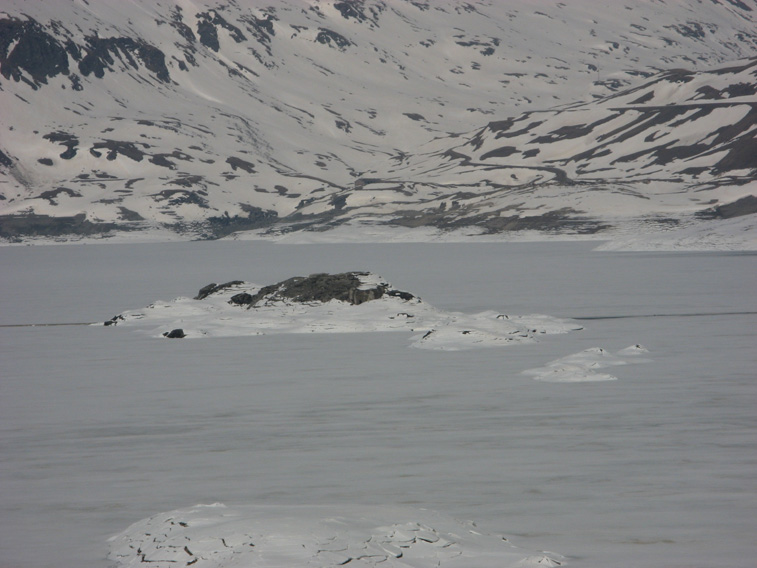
(69, 141)
(345, 287)
(32, 50)
(239, 163)
(241, 299)
(5, 161)
(129, 215)
(114, 320)
(52, 194)
(116, 147)
(329, 37)
(349, 287)
(103, 52)
(175, 334)
(212, 288)
(402, 296)
(207, 29)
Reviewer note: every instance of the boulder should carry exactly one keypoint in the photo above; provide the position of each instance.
(241, 299)
(175, 334)
(212, 288)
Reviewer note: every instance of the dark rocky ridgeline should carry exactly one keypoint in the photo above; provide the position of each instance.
(114, 320)
(345, 287)
(26, 46)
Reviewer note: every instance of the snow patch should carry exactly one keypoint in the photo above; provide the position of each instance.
(216, 536)
(582, 367)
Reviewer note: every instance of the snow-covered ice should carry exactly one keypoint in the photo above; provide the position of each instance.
(582, 367)
(102, 427)
(216, 536)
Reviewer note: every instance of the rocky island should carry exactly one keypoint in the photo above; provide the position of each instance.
(346, 302)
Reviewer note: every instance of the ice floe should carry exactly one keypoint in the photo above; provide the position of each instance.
(216, 536)
(342, 303)
(582, 366)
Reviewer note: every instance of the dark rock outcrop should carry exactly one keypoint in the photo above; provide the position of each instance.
(25, 46)
(175, 334)
(331, 38)
(102, 54)
(345, 287)
(241, 299)
(212, 288)
(114, 320)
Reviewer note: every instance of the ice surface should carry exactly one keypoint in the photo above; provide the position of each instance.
(103, 427)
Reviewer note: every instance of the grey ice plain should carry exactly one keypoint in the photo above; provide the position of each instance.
(102, 427)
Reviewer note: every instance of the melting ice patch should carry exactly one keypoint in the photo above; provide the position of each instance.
(340, 303)
(215, 536)
(583, 366)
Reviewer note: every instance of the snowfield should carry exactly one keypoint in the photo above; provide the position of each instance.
(204, 119)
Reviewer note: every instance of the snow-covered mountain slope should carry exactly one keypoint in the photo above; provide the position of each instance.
(350, 302)
(682, 144)
(207, 117)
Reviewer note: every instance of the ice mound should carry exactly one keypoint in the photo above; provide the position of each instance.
(332, 303)
(582, 367)
(216, 536)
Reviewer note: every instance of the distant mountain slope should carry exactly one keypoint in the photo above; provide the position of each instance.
(203, 118)
(682, 143)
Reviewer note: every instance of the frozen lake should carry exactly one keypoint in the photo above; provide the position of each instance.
(101, 427)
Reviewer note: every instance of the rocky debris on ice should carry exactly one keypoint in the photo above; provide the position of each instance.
(215, 536)
(582, 367)
(332, 303)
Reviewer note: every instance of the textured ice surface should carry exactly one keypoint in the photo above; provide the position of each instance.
(103, 427)
(214, 536)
